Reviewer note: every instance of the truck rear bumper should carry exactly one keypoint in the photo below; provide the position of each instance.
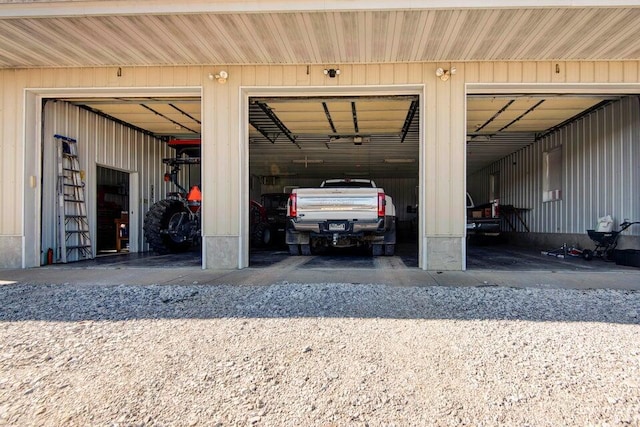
(483, 228)
(337, 226)
(355, 231)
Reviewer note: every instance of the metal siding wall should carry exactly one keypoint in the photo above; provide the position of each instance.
(103, 142)
(444, 124)
(11, 153)
(601, 173)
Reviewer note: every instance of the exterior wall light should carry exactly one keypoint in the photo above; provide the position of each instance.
(445, 74)
(221, 77)
(332, 72)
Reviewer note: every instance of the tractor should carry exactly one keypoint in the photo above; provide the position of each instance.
(173, 224)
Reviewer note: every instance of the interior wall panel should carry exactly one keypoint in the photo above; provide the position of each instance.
(105, 143)
(600, 173)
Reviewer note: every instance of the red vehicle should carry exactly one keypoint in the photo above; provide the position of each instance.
(259, 228)
(174, 223)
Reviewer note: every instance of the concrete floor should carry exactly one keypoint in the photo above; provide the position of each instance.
(487, 266)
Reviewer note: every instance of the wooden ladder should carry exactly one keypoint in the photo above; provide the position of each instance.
(74, 238)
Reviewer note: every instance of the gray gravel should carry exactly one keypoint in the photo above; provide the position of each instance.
(317, 355)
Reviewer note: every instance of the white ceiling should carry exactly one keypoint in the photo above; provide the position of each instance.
(54, 34)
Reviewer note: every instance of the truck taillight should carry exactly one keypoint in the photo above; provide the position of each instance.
(381, 204)
(495, 206)
(293, 205)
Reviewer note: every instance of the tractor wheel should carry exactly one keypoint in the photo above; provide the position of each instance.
(164, 227)
(261, 235)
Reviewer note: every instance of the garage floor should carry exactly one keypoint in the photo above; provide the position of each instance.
(487, 266)
(496, 257)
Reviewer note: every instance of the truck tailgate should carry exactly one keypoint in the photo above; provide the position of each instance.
(343, 203)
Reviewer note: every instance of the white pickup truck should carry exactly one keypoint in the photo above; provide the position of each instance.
(341, 213)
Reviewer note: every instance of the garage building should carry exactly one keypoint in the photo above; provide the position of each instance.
(536, 106)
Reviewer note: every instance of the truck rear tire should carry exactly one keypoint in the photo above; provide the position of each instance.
(166, 215)
(305, 249)
(389, 250)
(294, 250)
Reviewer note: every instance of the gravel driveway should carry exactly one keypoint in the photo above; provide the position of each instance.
(317, 355)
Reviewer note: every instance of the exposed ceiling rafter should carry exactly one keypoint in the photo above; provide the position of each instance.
(413, 108)
(182, 126)
(495, 116)
(329, 119)
(184, 113)
(276, 121)
(573, 119)
(536, 105)
(122, 122)
(354, 114)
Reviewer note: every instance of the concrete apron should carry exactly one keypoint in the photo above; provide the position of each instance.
(292, 270)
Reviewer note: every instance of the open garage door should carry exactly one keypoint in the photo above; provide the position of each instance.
(139, 158)
(298, 142)
(541, 170)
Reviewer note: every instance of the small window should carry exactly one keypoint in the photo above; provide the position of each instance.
(552, 175)
(494, 186)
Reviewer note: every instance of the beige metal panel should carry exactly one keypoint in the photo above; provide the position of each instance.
(11, 153)
(630, 71)
(457, 154)
(587, 72)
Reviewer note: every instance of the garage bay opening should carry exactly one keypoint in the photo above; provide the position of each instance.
(334, 179)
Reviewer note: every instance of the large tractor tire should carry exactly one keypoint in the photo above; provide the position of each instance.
(261, 235)
(165, 228)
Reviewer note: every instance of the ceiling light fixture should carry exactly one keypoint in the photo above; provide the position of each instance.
(399, 160)
(445, 74)
(353, 139)
(306, 162)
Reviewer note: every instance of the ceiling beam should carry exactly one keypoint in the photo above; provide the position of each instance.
(276, 121)
(573, 119)
(407, 121)
(537, 104)
(123, 123)
(500, 111)
(182, 126)
(328, 114)
(355, 116)
(184, 113)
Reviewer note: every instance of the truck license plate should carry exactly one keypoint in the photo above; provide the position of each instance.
(336, 226)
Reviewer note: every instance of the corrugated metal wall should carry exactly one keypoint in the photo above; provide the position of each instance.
(444, 131)
(600, 173)
(105, 143)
